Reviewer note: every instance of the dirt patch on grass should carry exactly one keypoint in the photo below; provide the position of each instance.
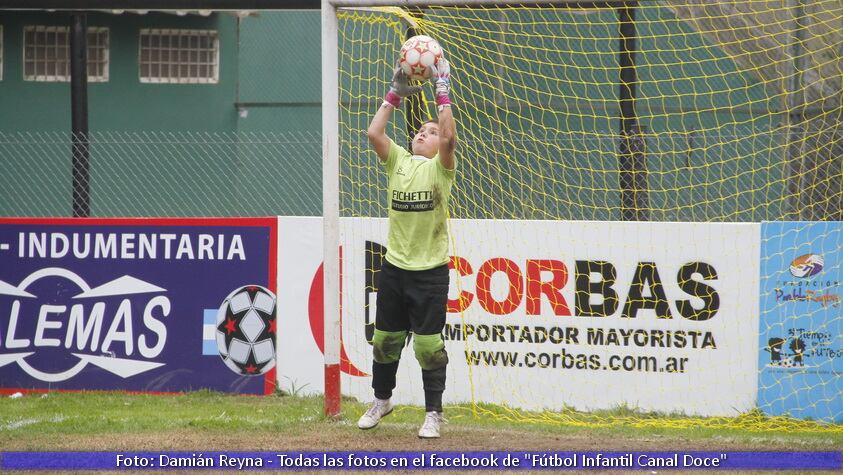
(386, 437)
(344, 436)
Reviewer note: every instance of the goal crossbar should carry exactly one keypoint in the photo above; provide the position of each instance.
(477, 3)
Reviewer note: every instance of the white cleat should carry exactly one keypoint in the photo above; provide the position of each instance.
(430, 428)
(379, 409)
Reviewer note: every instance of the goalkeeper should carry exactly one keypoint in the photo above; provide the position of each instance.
(413, 282)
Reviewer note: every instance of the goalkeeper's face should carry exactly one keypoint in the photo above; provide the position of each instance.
(426, 141)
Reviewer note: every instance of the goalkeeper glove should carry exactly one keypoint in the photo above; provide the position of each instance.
(441, 78)
(400, 88)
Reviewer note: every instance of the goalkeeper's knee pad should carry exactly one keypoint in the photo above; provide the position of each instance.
(430, 351)
(386, 346)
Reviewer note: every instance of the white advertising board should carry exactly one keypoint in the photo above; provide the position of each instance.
(548, 315)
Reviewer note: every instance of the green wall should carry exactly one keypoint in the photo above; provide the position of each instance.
(280, 92)
(123, 103)
(250, 145)
(144, 159)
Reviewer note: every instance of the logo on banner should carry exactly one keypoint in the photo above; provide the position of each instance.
(503, 287)
(58, 325)
(786, 353)
(806, 266)
(542, 281)
(801, 348)
(316, 316)
(245, 330)
(801, 295)
(803, 267)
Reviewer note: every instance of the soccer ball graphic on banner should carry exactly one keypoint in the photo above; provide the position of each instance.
(246, 328)
(417, 55)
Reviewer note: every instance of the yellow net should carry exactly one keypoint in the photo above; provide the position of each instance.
(670, 111)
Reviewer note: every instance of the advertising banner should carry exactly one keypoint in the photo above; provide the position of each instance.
(550, 315)
(801, 327)
(151, 305)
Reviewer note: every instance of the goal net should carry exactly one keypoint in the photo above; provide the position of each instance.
(611, 162)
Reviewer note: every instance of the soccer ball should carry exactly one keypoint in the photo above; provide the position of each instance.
(246, 328)
(417, 55)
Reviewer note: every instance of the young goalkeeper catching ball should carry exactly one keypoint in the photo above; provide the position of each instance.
(413, 282)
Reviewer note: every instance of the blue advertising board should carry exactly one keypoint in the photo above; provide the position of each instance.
(801, 326)
(148, 305)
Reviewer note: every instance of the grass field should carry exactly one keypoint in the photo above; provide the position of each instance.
(206, 421)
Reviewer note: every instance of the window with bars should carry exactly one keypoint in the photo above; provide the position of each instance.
(179, 56)
(46, 54)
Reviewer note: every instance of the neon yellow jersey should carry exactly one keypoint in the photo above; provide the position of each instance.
(419, 191)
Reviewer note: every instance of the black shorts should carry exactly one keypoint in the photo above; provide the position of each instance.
(414, 301)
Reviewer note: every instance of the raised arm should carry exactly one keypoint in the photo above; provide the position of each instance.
(447, 128)
(447, 136)
(399, 88)
(377, 130)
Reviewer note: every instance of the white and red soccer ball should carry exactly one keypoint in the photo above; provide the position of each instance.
(417, 55)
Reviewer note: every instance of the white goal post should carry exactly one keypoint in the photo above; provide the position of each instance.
(331, 170)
